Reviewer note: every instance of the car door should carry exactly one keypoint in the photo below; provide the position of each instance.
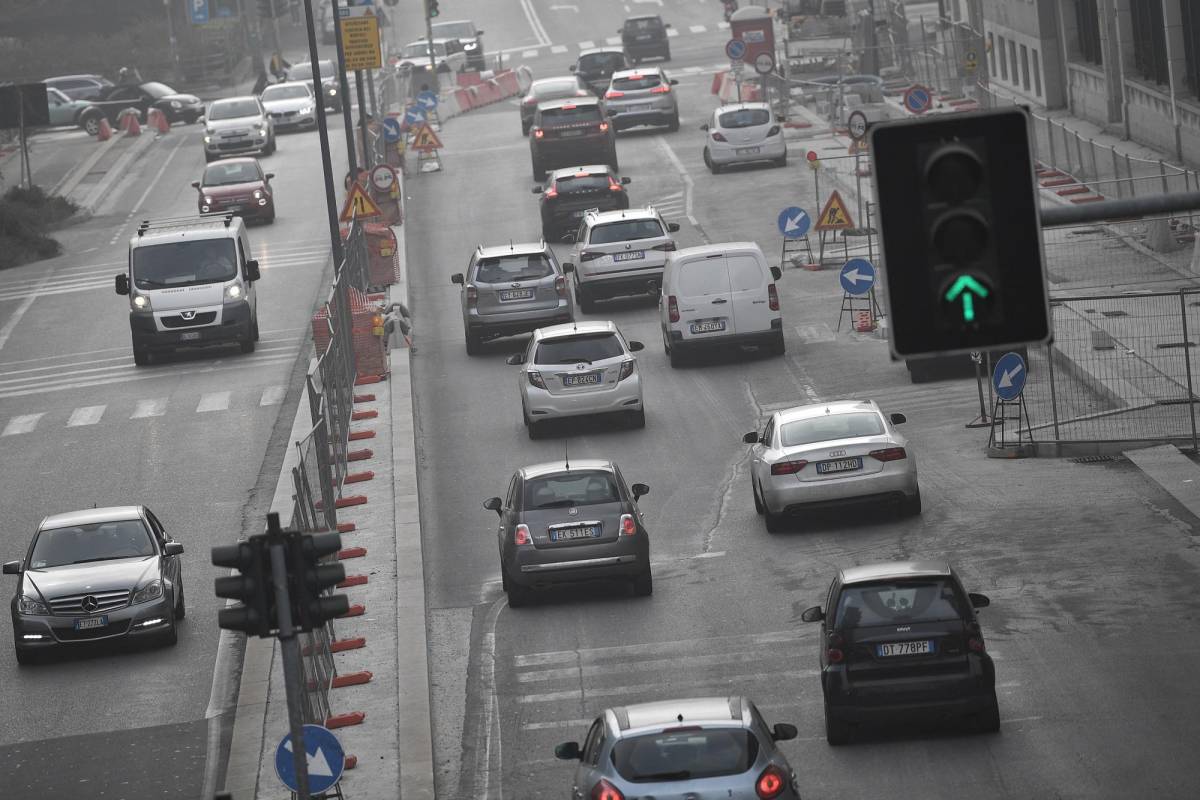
(61, 110)
(509, 516)
(748, 295)
(171, 568)
(758, 451)
(703, 298)
(585, 774)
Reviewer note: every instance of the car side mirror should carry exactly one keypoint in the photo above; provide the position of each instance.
(12, 568)
(898, 419)
(673, 81)
(673, 227)
(704, 127)
(567, 751)
(457, 278)
(516, 359)
(783, 732)
(537, 190)
(172, 549)
(269, 175)
(979, 600)
(493, 504)
(626, 181)
(252, 270)
(639, 490)
(752, 438)
(814, 614)
(572, 68)
(635, 346)
(776, 273)
(666, 24)
(195, 184)
(568, 267)
(479, 33)
(122, 284)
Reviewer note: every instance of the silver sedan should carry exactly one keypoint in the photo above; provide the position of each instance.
(826, 455)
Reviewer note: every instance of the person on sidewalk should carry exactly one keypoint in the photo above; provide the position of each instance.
(262, 82)
(279, 66)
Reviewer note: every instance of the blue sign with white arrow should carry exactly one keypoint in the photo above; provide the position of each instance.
(414, 115)
(1009, 376)
(858, 276)
(794, 222)
(428, 100)
(326, 760)
(735, 49)
(391, 130)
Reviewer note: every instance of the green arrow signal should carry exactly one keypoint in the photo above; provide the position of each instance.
(965, 286)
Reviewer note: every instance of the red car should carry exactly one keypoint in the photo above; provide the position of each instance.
(236, 185)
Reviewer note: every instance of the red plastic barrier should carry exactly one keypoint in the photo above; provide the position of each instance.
(507, 81)
(465, 98)
(466, 79)
(718, 80)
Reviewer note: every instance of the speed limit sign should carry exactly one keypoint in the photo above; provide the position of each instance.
(383, 178)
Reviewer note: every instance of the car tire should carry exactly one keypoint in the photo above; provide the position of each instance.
(254, 328)
(141, 356)
(776, 523)
(525, 128)
(209, 158)
(781, 161)
(26, 657)
(504, 582)
(270, 218)
(637, 419)
(181, 606)
(643, 584)
(539, 173)
(548, 233)
(778, 345)
(988, 720)
(758, 504)
(676, 358)
(837, 732)
(474, 344)
(171, 637)
(519, 596)
(91, 124)
(586, 302)
(713, 166)
(534, 429)
(912, 505)
(612, 162)
(667, 54)
(673, 125)
(247, 345)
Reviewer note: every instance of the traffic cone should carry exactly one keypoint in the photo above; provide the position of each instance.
(158, 120)
(104, 132)
(134, 127)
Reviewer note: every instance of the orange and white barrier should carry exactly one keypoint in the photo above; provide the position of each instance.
(128, 121)
(157, 120)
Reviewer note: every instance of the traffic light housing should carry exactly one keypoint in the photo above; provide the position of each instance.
(256, 616)
(960, 234)
(431, 8)
(311, 607)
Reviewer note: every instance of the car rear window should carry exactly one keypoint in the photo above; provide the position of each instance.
(225, 173)
(685, 753)
(703, 277)
(99, 541)
(831, 426)
(576, 349)
(745, 118)
(626, 230)
(891, 602)
(563, 87)
(570, 114)
(628, 84)
(575, 488)
(597, 61)
(745, 272)
(644, 25)
(504, 269)
(284, 93)
(234, 109)
(581, 182)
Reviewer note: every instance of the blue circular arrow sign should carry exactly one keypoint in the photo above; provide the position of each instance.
(325, 756)
(735, 49)
(413, 115)
(917, 99)
(391, 130)
(1008, 379)
(428, 99)
(794, 222)
(858, 276)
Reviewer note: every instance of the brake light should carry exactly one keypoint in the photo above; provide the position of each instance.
(626, 369)
(535, 379)
(472, 295)
(673, 308)
(528, 101)
(606, 791)
(975, 645)
(614, 185)
(667, 246)
(538, 133)
(628, 526)
(661, 89)
(889, 454)
(560, 285)
(552, 192)
(521, 535)
(772, 297)
(719, 137)
(788, 467)
(612, 94)
(587, 255)
(833, 653)
(568, 107)
(774, 131)
(584, 175)
(770, 783)
(603, 127)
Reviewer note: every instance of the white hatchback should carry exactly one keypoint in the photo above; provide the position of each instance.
(579, 368)
(743, 133)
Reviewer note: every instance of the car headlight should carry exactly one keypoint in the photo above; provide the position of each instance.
(176, 104)
(151, 591)
(471, 46)
(258, 194)
(141, 302)
(233, 292)
(208, 139)
(208, 201)
(31, 605)
(332, 90)
(261, 127)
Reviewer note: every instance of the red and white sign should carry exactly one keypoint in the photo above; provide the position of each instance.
(383, 178)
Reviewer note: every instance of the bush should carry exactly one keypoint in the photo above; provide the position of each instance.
(25, 216)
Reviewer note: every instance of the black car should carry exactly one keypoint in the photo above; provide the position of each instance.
(176, 106)
(468, 36)
(645, 37)
(93, 575)
(545, 89)
(898, 639)
(330, 85)
(575, 130)
(596, 66)
(568, 193)
(566, 522)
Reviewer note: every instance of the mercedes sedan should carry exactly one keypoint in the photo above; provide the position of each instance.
(96, 574)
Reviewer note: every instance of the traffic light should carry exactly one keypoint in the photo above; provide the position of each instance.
(311, 607)
(256, 616)
(431, 8)
(960, 234)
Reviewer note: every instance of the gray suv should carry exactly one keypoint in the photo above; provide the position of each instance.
(642, 97)
(511, 289)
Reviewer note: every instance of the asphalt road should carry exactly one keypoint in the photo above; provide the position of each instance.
(1090, 567)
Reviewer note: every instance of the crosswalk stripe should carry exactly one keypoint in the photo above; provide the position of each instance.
(558, 48)
(154, 407)
(612, 40)
(586, 45)
(697, 29)
(87, 415)
(558, 723)
(24, 423)
(732, 642)
(672, 33)
(529, 54)
(213, 401)
(658, 687)
(627, 666)
(272, 395)
(821, 332)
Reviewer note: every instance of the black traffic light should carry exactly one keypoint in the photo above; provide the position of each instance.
(256, 616)
(960, 233)
(431, 8)
(311, 607)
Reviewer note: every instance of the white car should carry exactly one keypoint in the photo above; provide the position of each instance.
(743, 133)
(290, 105)
(576, 369)
(620, 253)
(237, 126)
(447, 54)
(825, 455)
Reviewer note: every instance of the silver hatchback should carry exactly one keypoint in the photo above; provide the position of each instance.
(642, 97)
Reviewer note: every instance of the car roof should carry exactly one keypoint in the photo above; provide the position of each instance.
(89, 516)
(895, 569)
(555, 78)
(211, 226)
(648, 212)
(810, 410)
(704, 250)
(569, 101)
(511, 249)
(748, 104)
(591, 51)
(688, 711)
(237, 98)
(551, 467)
(570, 172)
(638, 71)
(453, 22)
(306, 84)
(568, 329)
(88, 75)
(236, 160)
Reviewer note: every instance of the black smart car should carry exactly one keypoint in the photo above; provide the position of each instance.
(597, 64)
(900, 638)
(570, 192)
(575, 130)
(566, 522)
(645, 37)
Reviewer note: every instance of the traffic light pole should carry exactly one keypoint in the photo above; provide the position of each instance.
(344, 88)
(335, 234)
(432, 57)
(293, 677)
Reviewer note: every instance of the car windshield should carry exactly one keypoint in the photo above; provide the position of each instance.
(831, 426)
(686, 754)
(575, 488)
(416, 49)
(554, 87)
(744, 118)
(643, 25)
(626, 230)
(233, 109)
(504, 269)
(156, 89)
(607, 62)
(284, 93)
(639, 81)
(455, 30)
(581, 182)
(186, 263)
(570, 114)
(101, 541)
(224, 174)
(891, 602)
(587, 349)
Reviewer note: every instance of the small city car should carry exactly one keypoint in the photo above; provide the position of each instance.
(568, 193)
(94, 575)
(829, 455)
(577, 369)
(645, 37)
(571, 521)
(703, 747)
(572, 131)
(237, 126)
(620, 254)
(290, 105)
(597, 64)
(743, 133)
(550, 89)
(238, 186)
(642, 97)
(901, 641)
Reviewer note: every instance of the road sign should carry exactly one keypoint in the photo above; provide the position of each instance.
(424, 139)
(414, 115)
(383, 177)
(735, 49)
(359, 205)
(834, 216)
(814, 160)
(199, 11)
(391, 130)
(794, 222)
(1008, 378)
(360, 41)
(764, 63)
(970, 62)
(325, 755)
(858, 276)
(856, 123)
(428, 100)
(917, 99)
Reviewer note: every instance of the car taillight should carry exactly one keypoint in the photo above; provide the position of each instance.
(666, 246)
(888, 454)
(788, 467)
(614, 185)
(772, 297)
(770, 783)
(529, 101)
(560, 285)
(628, 525)
(551, 193)
(774, 131)
(626, 369)
(538, 133)
(603, 127)
(719, 137)
(521, 535)
(606, 791)
(673, 308)
(833, 651)
(661, 89)
(612, 94)
(472, 295)
(535, 379)
(975, 644)
(587, 255)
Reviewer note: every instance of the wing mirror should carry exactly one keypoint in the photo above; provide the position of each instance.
(122, 284)
(814, 614)
(626, 181)
(567, 751)
(195, 184)
(172, 549)
(457, 278)
(12, 568)
(252, 271)
(639, 489)
(635, 346)
(568, 267)
(752, 438)
(269, 175)
(776, 273)
(493, 504)
(977, 600)
(673, 227)
(516, 359)
(673, 82)
(898, 419)
(704, 127)
(572, 68)
(783, 732)
(537, 190)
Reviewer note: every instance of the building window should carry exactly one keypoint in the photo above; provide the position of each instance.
(1012, 56)
(1037, 75)
(1003, 59)
(991, 48)
(1191, 44)
(1025, 67)
(1087, 23)
(1149, 41)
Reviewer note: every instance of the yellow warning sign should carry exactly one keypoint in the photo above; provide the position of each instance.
(360, 42)
(857, 147)
(834, 216)
(359, 205)
(424, 139)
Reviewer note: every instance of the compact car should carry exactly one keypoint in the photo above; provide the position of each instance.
(568, 193)
(743, 133)
(176, 106)
(79, 87)
(330, 83)
(236, 126)
(899, 642)
(239, 186)
(550, 89)
(571, 131)
(448, 55)
(65, 111)
(645, 37)
(290, 105)
(642, 97)
(566, 522)
(597, 64)
(620, 254)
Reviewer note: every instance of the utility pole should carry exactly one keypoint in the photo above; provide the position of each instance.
(335, 234)
(344, 88)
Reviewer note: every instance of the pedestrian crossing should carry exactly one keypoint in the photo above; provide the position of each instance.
(670, 206)
(613, 41)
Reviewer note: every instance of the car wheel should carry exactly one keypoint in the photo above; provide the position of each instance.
(988, 720)
(269, 219)
(781, 161)
(539, 174)
(675, 357)
(637, 419)
(548, 233)
(171, 637)
(758, 505)
(247, 344)
(667, 54)
(643, 584)
(504, 584)
(254, 328)
(473, 344)
(525, 128)
(209, 158)
(775, 522)
(141, 356)
(180, 606)
(612, 162)
(534, 429)
(713, 167)
(587, 304)
(91, 124)
(912, 505)
(778, 346)
(836, 732)
(518, 595)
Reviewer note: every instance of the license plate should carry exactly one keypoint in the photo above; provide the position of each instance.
(586, 379)
(747, 151)
(638, 109)
(578, 214)
(645, 37)
(516, 294)
(190, 336)
(923, 647)
(708, 326)
(573, 133)
(88, 623)
(566, 534)
(841, 465)
(632, 255)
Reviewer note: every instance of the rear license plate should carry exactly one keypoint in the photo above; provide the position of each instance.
(632, 255)
(190, 336)
(566, 534)
(516, 294)
(645, 37)
(841, 465)
(586, 379)
(638, 109)
(747, 151)
(923, 647)
(88, 623)
(578, 214)
(708, 326)
(576, 132)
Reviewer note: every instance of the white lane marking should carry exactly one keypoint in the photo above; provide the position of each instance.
(88, 415)
(529, 54)
(155, 407)
(558, 723)
(146, 193)
(565, 7)
(655, 2)
(272, 395)
(697, 29)
(24, 423)
(672, 33)
(714, 554)
(535, 24)
(722, 26)
(612, 40)
(558, 48)
(586, 45)
(657, 687)
(731, 642)
(213, 401)
(630, 665)
(491, 714)
(821, 332)
(687, 180)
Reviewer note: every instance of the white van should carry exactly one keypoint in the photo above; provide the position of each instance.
(190, 282)
(719, 295)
